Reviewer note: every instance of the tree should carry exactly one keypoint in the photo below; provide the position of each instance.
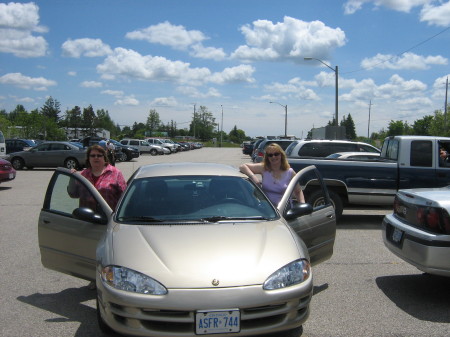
(422, 126)
(203, 123)
(51, 109)
(349, 124)
(237, 136)
(153, 121)
(89, 121)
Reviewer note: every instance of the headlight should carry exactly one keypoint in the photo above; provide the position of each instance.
(293, 273)
(129, 280)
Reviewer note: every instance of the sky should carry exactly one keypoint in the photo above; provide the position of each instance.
(232, 56)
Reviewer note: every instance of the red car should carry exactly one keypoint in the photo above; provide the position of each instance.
(7, 172)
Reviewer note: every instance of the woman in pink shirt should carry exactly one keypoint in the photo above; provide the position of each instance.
(276, 174)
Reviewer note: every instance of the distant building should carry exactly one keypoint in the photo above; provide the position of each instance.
(329, 132)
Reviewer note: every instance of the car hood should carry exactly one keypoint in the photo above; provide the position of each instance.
(192, 256)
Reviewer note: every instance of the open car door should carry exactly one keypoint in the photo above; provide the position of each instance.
(68, 244)
(317, 226)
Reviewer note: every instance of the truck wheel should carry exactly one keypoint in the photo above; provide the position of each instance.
(122, 156)
(153, 152)
(316, 199)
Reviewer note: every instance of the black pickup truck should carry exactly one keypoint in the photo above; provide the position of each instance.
(405, 162)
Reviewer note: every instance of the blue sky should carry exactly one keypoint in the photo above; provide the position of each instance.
(129, 57)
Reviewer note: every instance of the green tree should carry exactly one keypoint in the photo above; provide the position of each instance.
(237, 136)
(422, 126)
(349, 124)
(153, 122)
(51, 109)
(204, 124)
(89, 121)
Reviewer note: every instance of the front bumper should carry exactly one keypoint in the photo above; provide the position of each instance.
(261, 311)
(427, 252)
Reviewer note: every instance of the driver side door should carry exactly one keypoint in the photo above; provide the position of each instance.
(68, 244)
(317, 229)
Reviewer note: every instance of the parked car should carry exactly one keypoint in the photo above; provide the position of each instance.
(255, 146)
(355, 155)
(49, 154)
(7, 172)
(418, 230)
(261, 149)
(143, 146)
(2, 145)
(158, 142)
(124, 152)
(190, 244)
(176, 146)
(15, 145)
(247, 148)
(323, 148)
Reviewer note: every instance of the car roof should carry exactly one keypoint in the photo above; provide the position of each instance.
(183, 169)
(358, 153)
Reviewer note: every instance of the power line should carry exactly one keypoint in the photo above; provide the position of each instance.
(397, 55)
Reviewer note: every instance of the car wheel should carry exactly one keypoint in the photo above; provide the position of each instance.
(71, 163)
(123, 156)
(153, 152)
(17, 163)
(290, 333)
(316, 199)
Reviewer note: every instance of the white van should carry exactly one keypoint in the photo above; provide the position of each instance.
(143, 146)
(2, 146)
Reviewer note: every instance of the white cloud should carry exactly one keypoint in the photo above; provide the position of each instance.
(72, 73)
(438, 15)
(17, 23)
(85, 47)
(351, 6)
(165, 33)
(91, 84)
(25, 82)
(130, 64)
(405, 61)
(129, 100)
(294, 88)
(291, 39)
(211, 53)
(164, 101)
(196, 93)
(116, 93)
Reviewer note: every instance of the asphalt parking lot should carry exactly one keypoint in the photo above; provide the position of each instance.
(363, 290)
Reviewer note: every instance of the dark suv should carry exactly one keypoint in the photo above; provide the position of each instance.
(16, 145)
(261, 149)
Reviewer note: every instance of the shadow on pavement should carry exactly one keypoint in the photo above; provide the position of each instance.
(423, 296)
(68, 304)
(360, 221)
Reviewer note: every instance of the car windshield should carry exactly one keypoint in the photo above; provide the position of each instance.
(193, 198)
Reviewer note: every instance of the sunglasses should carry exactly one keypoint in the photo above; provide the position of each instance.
(96, 155)
(276, 154)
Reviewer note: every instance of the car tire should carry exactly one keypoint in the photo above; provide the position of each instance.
(153, 152)
(17, 163)
(289, 333)
(316, 199)
(71, 163)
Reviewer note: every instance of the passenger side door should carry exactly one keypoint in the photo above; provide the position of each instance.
(317, 229)
(68, 244)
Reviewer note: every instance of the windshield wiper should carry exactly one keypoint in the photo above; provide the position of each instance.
(219, 218)
(141, 218)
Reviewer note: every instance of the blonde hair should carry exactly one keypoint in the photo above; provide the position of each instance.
(275, 148)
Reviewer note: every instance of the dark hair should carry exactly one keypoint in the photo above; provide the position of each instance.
(99, 149)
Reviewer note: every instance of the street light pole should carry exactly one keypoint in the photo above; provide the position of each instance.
(221, 127)
(336, 73)
(285, 117)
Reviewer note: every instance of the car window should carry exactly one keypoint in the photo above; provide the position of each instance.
(367, 148)
(59, 147)
(193, 198)
(68, 194)
(421, 153)
(134, 142)
(43, 147)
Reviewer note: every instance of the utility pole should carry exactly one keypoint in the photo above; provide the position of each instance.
(445, 108)
(368, 125)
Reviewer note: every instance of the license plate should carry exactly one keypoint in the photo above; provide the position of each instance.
(219, 321)
(397, 235)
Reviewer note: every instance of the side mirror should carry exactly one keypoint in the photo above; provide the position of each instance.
(298, 210)
(87, 214)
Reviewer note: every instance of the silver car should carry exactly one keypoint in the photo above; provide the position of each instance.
(192, 249)
(418, 230)
(49, 154)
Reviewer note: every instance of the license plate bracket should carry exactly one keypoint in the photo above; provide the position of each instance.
(217, 321)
